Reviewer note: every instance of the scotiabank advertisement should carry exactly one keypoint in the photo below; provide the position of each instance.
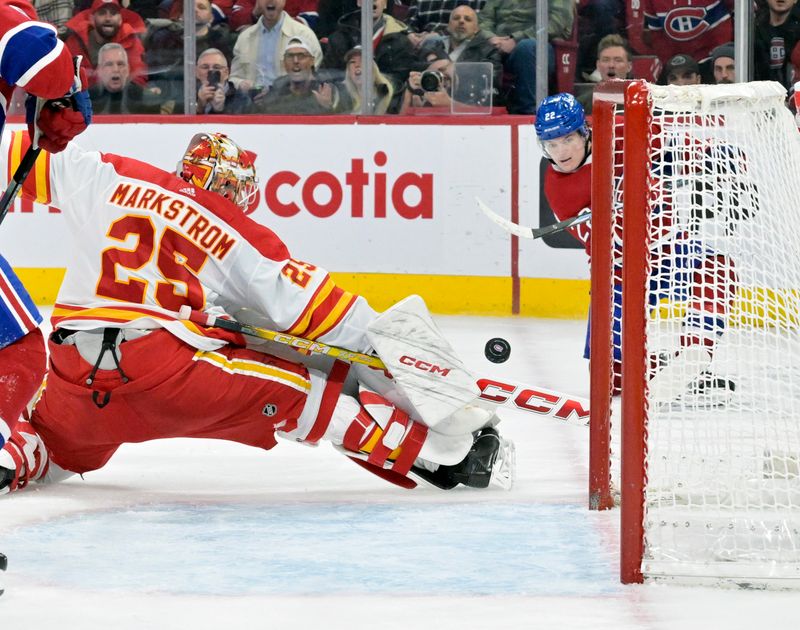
(360, 198)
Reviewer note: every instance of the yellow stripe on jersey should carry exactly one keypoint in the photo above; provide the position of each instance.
(336, 312)
(41, 178)
(116, 315)
(255, 369)
(15, 154)
(300, 327)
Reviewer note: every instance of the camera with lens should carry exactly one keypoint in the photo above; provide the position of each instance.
(214, 77)
(431, 80)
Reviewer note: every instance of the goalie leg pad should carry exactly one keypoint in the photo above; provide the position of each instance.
(434, 381)
(394, 445)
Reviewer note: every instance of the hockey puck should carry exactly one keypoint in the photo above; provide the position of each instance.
(497, 350)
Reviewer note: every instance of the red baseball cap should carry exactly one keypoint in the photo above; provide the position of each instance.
(99, 4)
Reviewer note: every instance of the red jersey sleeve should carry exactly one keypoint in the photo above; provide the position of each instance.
(568, 194)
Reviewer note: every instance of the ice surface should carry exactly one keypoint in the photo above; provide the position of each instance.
(193, 534)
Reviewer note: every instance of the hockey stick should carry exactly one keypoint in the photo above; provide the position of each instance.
(529, 232)
(501, 392)
(19, 177)
(298, 343)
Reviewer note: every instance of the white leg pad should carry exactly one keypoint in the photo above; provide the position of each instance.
(435, 382)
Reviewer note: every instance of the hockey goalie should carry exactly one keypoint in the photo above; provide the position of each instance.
(124, 367)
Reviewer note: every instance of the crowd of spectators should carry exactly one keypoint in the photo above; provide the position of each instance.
(304, 56)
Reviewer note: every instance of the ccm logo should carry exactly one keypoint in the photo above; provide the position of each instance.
(532, 400)
(424, 365)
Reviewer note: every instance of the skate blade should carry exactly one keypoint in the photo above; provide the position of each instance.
(504, 471)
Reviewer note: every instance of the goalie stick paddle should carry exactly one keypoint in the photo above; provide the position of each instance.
(529, 232)
(19, 177)
(501, 392)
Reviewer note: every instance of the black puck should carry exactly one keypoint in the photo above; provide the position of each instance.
(497, 350)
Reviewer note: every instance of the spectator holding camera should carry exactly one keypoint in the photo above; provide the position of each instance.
(215, 94)
(165, 40)
(466, 42)
(298, 91)
(431, 88)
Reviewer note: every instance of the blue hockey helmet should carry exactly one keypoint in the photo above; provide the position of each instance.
(559, 115)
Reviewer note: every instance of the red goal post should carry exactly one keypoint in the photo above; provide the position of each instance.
(695, 183)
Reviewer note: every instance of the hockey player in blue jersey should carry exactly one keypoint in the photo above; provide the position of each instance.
(58, 108)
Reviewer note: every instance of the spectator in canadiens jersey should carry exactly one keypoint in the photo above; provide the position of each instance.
(104, 25)
(691, 28)
(127, 366)
(35, 60)
(566, 143)
(776, 53)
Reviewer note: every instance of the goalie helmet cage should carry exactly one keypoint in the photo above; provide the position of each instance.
(697, 183)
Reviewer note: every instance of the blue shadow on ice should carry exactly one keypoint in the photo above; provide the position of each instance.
(312, 548)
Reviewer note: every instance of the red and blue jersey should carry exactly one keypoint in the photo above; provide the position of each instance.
(18, 314)
(689, 27)
(34, 59)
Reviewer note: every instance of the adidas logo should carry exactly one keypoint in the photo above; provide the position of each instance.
(189, 190)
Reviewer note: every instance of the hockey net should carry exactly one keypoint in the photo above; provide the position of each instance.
(694, 228)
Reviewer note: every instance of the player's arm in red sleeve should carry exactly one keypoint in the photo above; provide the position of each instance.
(569, 194)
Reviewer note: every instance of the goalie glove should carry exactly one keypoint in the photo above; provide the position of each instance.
(52, 124)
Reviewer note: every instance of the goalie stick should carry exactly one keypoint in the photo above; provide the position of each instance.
(538, 401)
(529, 232)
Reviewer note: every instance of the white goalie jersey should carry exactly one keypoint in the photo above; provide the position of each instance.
(158, 243)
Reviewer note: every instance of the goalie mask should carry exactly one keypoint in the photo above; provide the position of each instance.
(217, 163)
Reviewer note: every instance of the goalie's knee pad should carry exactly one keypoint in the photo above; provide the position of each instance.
(377, 432)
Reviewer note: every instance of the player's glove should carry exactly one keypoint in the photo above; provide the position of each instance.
(52, 124)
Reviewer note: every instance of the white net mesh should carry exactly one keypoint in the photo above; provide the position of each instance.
(723, 335)
(723, 339)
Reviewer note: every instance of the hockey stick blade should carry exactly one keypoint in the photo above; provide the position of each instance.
(538, 401)
(524, 231)
(19, 177)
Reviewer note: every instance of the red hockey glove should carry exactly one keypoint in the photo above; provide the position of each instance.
(54, 123)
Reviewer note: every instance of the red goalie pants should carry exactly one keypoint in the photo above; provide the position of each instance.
(174, 390)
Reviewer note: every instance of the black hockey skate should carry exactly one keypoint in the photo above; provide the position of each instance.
(6, 479)
(490, 458)
(709, 390)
